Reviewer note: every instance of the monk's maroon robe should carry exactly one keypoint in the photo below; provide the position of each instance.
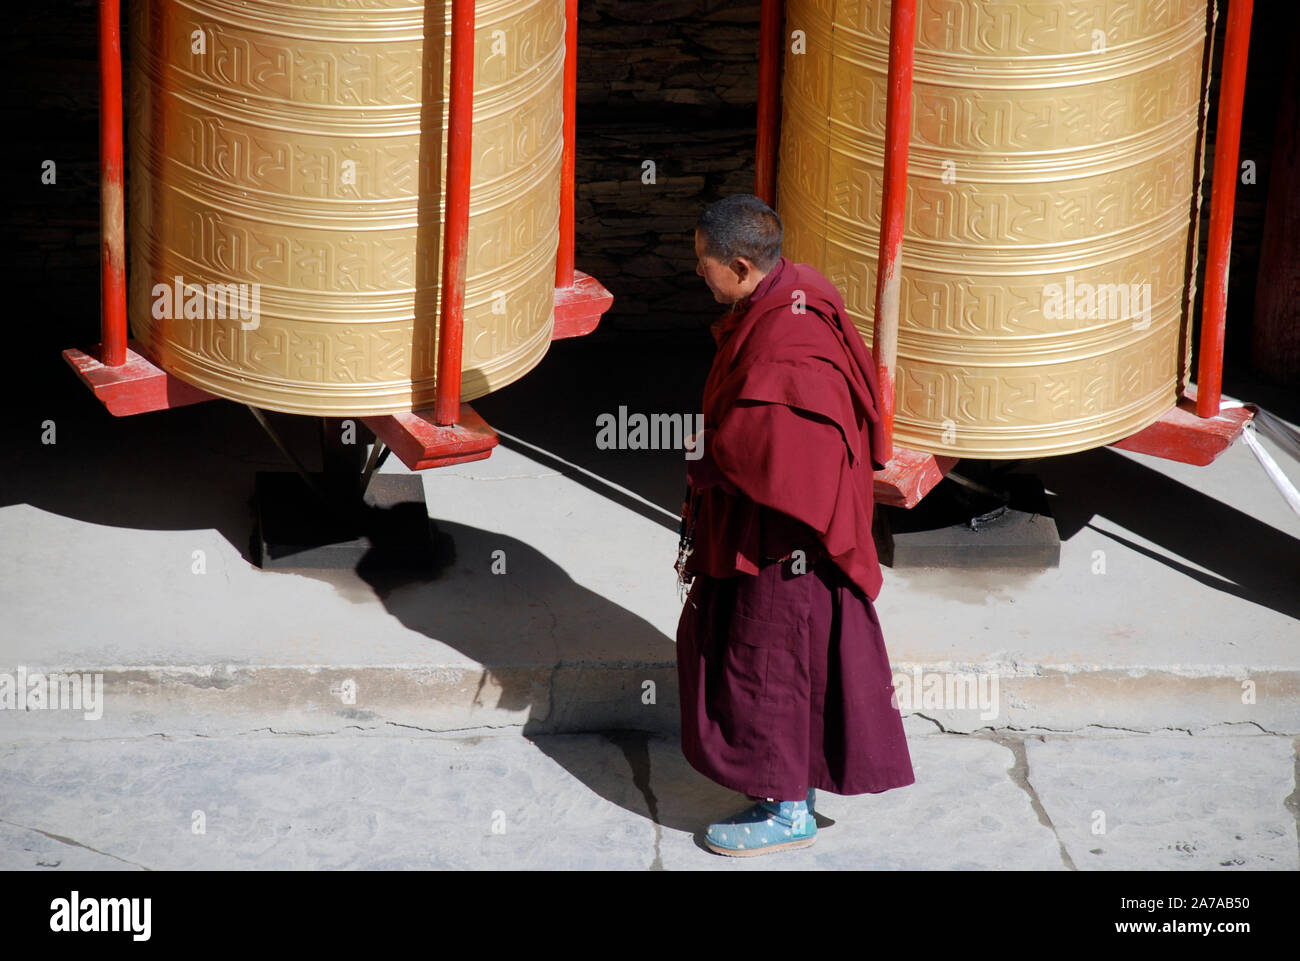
(785, 681)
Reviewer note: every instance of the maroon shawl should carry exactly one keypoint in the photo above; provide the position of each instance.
(791, 424)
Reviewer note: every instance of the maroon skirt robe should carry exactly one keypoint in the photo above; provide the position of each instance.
(785, 685)
(784, 677)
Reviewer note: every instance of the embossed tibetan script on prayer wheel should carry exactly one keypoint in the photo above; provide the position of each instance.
(286, 201)
(1053, 193)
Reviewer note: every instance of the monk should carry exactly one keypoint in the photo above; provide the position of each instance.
(785, 683)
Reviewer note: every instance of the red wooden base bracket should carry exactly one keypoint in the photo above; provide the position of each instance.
(909, 476)
(1182, 436)
(137, 386)
(420, 443)
(578, 308)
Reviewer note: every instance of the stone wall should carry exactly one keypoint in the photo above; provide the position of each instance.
(673, 83)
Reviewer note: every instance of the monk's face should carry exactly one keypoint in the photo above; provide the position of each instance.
(729, 282)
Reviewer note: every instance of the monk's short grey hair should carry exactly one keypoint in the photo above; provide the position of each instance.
(741, 226)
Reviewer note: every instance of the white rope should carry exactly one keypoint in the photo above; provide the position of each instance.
(1284, 434)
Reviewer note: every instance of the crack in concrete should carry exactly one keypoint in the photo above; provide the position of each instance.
(73, 843)
(1292, 801)
(1075, 730)
(555, 642)
(1190, 732)
(456, 730)
(935, 722)
(478, 691)
(550, 694)
(271, 730)
(1019, 775)
(635, 746)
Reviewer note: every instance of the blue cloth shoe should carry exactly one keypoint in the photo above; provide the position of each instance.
(763, 828)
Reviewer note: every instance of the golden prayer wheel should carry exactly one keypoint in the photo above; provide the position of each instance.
(1049, 247)
(286, 201)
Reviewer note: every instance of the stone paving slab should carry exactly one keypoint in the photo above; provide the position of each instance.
(1170, 803)
(628, 801)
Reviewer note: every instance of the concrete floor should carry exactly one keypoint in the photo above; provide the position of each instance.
(629, 801)
(125, 553)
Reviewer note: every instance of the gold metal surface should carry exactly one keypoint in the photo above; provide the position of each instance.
(300, 145)
(1054, 154)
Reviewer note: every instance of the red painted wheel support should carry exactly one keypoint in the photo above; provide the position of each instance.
(769, 105)
(112, 201)
(564, 256)
(898, 129)
(1223, 194)
(460, 111)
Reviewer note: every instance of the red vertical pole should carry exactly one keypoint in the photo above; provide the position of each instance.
(460, 113)
(1223, 195)
(769, 66)
(112, 205)
(898, 130)
(564, 256)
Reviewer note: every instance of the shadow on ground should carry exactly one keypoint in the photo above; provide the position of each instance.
(193, 468)
(1246, 558)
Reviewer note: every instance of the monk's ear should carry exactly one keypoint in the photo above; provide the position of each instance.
(741, 268)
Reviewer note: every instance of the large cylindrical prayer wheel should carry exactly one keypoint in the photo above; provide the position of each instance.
(1053, 193)
(290, 156)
